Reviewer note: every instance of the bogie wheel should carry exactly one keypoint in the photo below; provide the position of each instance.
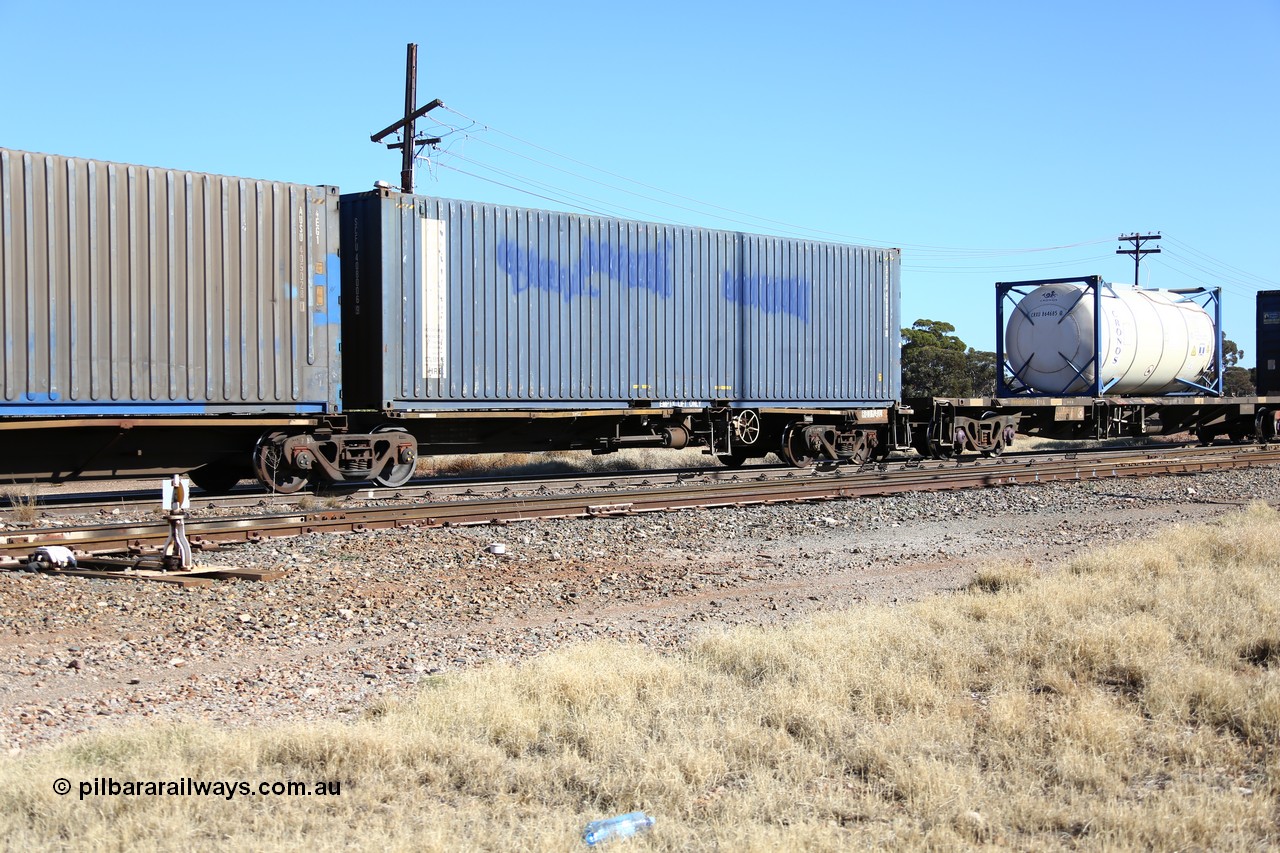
(861, 453)
(216, 478)
(734, 459)
(398, 471)
(795, 450)
(1205, 437)
(1265, 426)
(276, 472)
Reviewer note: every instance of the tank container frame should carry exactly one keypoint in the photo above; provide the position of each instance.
(1008, 384)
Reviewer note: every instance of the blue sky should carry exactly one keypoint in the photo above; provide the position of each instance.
(962, 133)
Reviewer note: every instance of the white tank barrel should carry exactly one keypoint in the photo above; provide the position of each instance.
(1152, 341)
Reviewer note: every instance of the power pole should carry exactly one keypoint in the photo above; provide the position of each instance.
(1138, 241)
(410, 143)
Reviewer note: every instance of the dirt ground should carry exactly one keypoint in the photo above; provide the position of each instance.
(360, 615)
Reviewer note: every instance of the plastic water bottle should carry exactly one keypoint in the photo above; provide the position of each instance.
(622, 826)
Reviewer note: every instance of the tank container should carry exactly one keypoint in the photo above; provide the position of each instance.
(1151, 341)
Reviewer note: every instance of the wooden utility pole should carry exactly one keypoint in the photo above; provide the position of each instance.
(1138, 240)
(410, 143)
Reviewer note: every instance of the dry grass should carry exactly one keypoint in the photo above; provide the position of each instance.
(24, 502)
(1130, 702)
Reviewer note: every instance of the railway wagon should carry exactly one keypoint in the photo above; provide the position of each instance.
(1081, 358)
(159, 320)
(476, 327)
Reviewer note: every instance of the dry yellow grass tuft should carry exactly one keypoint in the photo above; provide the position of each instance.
(24, 502)
(1130, 702)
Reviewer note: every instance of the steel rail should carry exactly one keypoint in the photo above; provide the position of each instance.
(798, 487)
(505, 484)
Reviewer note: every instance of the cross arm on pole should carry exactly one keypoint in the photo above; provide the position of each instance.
(416, 114)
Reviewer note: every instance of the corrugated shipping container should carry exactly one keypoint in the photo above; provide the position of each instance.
(1268, 342)
(130, 290)
(458, 305)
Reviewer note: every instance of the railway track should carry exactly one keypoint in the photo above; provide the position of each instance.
(740, 488)
(466, 488)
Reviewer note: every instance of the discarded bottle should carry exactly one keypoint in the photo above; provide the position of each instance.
(622, 826)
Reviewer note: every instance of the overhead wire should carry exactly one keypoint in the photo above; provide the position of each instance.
(518, 189)
(959, 258)
(1231, 283)
(606, 209)
(1003, 268)
(1271, 283)
(1212, 281)
(961, 252)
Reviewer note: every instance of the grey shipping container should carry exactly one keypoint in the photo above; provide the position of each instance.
(131, 290)
(1268, 371)
(459, 305)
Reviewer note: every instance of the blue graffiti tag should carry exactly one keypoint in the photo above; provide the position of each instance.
(648, 270)
(770, 294)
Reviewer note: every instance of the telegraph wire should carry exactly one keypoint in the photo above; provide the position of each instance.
(1002, 269)
(519, 189)
(958, 251)
(1266, 281)
(606, 211)
(1186, 261)
(1213, 281)
(610, 208)
(473, 129)
(482, 141)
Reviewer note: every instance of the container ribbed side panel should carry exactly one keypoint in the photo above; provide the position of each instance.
(137, 290)
(542, 309)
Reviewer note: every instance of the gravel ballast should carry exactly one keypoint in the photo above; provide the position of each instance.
(359, 615)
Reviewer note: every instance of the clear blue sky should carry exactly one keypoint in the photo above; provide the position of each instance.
(956, 131)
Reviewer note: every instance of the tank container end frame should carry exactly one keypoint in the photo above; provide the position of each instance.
(1008, 384)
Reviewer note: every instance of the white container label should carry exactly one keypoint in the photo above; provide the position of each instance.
(433, 262)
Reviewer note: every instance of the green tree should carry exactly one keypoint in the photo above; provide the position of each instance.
(1236, 381)
(982, 372)
(1231, 353)
(936, 363)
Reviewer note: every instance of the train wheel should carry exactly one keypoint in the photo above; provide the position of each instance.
(1205, 436)
(216, 479)
(732, 460)
(400, 470)
(275, 472)
(862, 450)
(795, 449)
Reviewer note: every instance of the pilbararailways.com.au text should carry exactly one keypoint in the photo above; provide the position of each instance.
(187, 787)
